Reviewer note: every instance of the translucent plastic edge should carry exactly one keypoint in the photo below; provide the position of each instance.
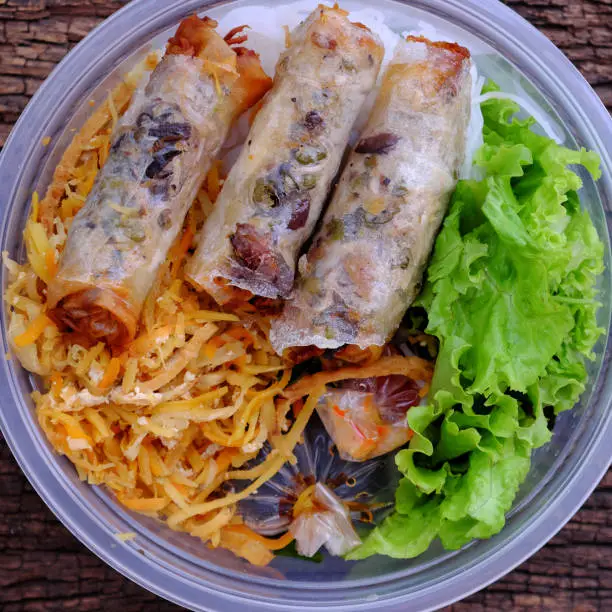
(579, 483)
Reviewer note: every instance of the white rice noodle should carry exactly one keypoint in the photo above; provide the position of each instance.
(474, 131)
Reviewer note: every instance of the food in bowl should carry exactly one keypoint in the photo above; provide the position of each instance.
(274, 193)
(188, 420)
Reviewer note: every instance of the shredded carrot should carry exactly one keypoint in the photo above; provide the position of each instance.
(338, 410)
(269, 543)
(180, 359)
(147, 342)
(210, 348)
(351, 353)
(224, 459)
(111, 373)
(73, 427)
(34, 331)
(177, 256)
(213, 433)
(158, 468)
(88, 359)
(243, 546)
(239, 362)
(152, 504)
(414, 367)
(37, 245)
(56, 384)
(122, 95)
(242, 335)
(51, 263)
(212, 315)
(35, 207)
(210, 529)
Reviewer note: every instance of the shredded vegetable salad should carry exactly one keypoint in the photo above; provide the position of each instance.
(166, 422)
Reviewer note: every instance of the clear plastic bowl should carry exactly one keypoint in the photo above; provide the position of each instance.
(179, 567)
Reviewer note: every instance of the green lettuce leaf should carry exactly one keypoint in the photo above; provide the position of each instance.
(510, 294)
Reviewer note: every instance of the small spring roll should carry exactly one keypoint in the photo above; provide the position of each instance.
(366, 418)
(275, 191)
(365, 265)
(161, 150)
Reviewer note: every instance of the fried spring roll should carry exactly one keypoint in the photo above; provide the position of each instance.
(366, 263)
(160, 152)
(274, 193)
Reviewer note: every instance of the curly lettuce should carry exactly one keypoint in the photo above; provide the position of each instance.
(510, 294)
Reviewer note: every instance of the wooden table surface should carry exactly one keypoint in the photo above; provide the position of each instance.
(43, 567)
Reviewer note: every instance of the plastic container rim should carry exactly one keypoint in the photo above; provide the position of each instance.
(490, 20)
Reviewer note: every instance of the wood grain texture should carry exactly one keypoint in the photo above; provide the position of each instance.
(44, 568)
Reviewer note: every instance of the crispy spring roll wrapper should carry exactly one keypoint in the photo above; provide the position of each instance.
(275, 191)
(365, 265)
(161, 150)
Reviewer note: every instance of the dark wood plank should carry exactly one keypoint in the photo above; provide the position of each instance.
(44, 568)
